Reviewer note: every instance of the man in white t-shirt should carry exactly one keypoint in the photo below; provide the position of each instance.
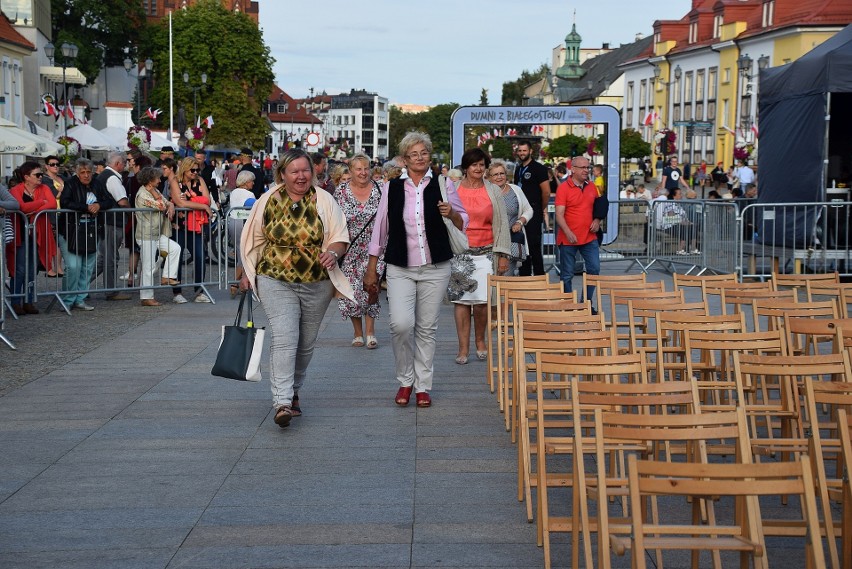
(745, 175)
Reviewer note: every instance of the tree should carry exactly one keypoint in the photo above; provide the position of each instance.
(567, 146)
(436, 122)
(229, 48)
(104, 32)
(501, 148)
(513, 91)
(483, 98)
(632, 145)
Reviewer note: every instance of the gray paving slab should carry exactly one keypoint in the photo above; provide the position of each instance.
(125, 452)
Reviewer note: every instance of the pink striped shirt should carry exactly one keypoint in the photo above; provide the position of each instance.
(415, 227)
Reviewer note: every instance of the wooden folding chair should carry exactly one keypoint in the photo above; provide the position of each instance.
(642, 317)
(686, 282)
(738, 300)
(609, 281)
(841, 293)
(769, 315)
(713, 291)
(825, 447)
(744, 482)
(618, 310)
(799, 282)
(617, 435)
(557, 373)
(549, 339)
(498, 320)
(844, 422)
(671, 330)
(549, 298)
(713, 369)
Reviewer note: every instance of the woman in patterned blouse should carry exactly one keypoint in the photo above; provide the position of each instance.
(290, 245)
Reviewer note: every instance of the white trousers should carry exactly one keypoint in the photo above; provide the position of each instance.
(150, 255)
(415, 295)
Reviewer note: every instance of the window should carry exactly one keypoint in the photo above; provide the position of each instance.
(20, 12)
(725, 111)
(693, 32)
(699, 85)
(629, 96)
(726, 75)
(768, 13)
(687, 112)
(712, 73)
(282, 107)
(676, 113)
(629, 118)
(699, 111)
(676, 93)
(643, 85)
(717, 25)
(711, 110)
(687, 87)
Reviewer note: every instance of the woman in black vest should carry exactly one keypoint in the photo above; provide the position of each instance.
(409, 229)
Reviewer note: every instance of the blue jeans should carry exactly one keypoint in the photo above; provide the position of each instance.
(25, 272)
(78, 272)
(196, 243)
(567, 259)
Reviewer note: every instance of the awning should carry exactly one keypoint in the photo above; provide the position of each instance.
(72, 75)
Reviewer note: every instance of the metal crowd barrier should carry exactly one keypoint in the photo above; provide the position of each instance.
(794, 238)
(5, 305)
(117, 249)
(234, 220)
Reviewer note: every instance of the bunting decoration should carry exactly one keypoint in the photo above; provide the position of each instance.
(153, 113)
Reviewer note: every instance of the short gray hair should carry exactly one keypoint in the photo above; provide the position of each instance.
(244, 176)
(412, 139)
(116, 158)
(84, 163)
(148, 174)
(360, 157)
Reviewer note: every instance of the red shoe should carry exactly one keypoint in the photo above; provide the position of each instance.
(424, 400)
(403, 396)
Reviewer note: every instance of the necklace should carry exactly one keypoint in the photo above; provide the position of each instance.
(468, 184)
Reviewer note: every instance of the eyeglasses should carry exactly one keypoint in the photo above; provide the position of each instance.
(415, 155)
(84, 172)
(194, 170)
(53, 164)
(37, 174)
(495, 174)
(581, 167)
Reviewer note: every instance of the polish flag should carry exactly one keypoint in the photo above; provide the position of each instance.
(754, 129)
(650, 118)
(511, 132)
(68, 111)
(153, 113)
(208, 122)
(49, 108)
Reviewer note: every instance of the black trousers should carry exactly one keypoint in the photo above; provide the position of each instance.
(534, 263)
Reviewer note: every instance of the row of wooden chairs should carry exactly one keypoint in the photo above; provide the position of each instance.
(540, 339)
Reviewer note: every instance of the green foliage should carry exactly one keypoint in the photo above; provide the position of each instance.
(632, 145)
(229, 48)
(104, 32)
(567, 146)
(435, 122)
(501, 148)
(513, 91)
(483, 98)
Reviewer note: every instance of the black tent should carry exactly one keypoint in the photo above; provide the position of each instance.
(805, 115)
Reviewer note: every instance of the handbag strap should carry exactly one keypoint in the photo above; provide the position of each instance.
(369, 221)
(239, 317)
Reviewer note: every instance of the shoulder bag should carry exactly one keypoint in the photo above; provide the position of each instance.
(458, 238)
(240, 347)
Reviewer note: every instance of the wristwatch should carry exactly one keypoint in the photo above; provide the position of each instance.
(336, 256)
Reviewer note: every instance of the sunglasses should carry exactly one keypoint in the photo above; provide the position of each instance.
(38, 175)
(53, 164)
(194, 170)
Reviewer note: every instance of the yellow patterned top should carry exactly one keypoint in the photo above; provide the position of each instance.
(294, 234)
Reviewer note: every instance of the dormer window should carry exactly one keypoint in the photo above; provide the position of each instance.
(768, 13)
(693, 32)
(717, 25)
(282, 108)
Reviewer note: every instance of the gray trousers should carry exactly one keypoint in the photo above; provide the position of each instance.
(295, 312)
(415, 295)
(108, 255)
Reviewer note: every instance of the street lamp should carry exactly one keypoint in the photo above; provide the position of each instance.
(69, 53)
(195, 90)
(149, 67)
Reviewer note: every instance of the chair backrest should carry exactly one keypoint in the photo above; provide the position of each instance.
(618, 299)
(649, 481)
(671, 331)
(642, 319)
(841, 293)
(772, 311)
(700, 282)
(603, 292)
(740, 299)
(799, 282)
(805, 331)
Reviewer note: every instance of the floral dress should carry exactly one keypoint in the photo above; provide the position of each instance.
(354, 265)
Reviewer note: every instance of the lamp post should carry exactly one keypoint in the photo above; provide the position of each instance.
(195, 91)
(678, 73)
(69, 53)
(149, 67)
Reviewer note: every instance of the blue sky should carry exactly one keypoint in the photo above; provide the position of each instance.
(438, 51)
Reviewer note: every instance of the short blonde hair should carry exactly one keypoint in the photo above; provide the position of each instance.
(288, 158)
(185, 166)
(338, 172)
(496, 162)
(412, 139)
(360, 157)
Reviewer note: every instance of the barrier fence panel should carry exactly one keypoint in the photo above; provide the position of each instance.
(631, 241)
(6, 233)
(675, 234)
(794, 238)
(128, 255)
(234, 219)
(719, 240)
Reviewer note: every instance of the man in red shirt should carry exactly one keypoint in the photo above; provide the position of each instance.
(575, 200)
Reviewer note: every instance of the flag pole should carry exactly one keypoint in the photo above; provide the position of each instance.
(171, 83)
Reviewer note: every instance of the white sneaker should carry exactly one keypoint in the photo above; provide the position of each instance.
(124, 276)
(179, 299)
(682, 252)
(696, 251)
(82, 306)
(202, 298)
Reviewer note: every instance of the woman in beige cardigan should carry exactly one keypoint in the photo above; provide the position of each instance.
(490, 245)
(153, 233)
(290, 246)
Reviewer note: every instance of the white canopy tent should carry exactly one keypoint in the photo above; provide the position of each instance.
(15, 140)
(92, 139)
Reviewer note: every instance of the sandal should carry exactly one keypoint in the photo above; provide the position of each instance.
(358, 342)
(295, 410)
(403, 396)
(481, 355)
(283, 416)
(372, 343)
(461, 360)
